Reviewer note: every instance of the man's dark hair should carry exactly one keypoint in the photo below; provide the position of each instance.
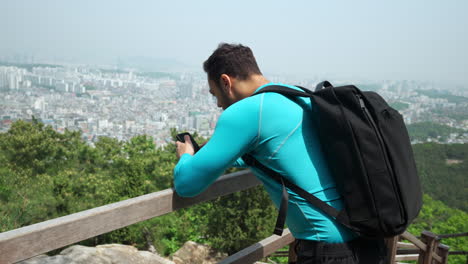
(234, 60)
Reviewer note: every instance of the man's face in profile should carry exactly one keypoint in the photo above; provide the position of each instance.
(221, 97)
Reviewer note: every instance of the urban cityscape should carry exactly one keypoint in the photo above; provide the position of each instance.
(122, 103)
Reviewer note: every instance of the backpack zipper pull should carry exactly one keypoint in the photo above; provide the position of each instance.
(361, 102)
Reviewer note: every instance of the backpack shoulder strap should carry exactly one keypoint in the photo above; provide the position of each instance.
(340, 216)
(323, 85)
(285, 91)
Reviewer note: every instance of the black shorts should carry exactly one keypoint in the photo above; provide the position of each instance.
(362, 251)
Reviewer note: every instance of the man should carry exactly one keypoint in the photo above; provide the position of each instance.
(279, 133)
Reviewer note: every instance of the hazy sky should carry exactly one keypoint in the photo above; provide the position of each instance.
(422, 40)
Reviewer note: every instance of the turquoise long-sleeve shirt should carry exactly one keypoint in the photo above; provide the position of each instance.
(280, 134)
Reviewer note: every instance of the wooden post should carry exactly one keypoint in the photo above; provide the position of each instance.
(430, 239)
(391, 249)
(443, 251)
(292, 258)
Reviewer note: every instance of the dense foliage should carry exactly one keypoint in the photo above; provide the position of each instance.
(45, 174)
(443, 170)
(438, 218)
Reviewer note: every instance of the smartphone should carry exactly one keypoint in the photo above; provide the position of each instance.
(180, 137)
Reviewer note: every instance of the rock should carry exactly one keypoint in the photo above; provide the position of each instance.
(44, 259)
(102, 254)
(194, 253)
(190, 253)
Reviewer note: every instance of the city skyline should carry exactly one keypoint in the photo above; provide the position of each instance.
(398, 40)
(123, 104)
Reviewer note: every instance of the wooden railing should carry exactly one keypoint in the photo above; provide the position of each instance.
(26, 242)
(30, 241)
(426, 250)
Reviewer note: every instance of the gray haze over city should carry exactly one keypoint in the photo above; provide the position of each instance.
(121, 69)
(388, 40)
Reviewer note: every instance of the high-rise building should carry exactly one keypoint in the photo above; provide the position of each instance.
(61, 86)
(11, 78)
(13, 81)
(186, 90)
(3, 79)
(40, 104)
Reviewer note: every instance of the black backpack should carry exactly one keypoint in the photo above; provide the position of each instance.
(368, 151)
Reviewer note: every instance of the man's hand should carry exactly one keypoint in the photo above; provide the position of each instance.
(186, 147)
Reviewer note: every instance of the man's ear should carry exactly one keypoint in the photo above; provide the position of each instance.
(226, 83)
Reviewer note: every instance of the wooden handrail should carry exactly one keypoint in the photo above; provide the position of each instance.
(410, 237)
(29, 241)
(425, 251)
(261, 249)
(406, 245)
(406, 257)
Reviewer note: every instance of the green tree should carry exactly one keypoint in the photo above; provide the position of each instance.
(438, 218)
(441, 179)
(240, 219)
(424, 130)
(32, 154)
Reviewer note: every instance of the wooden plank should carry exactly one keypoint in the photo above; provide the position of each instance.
(408, 236)
(29, 241)
(260, 250)
(406, 257)
(406, 251)
(436, 257)
(406, 245)
(391, 248)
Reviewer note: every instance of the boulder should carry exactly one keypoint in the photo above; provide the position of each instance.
(194, 253)
(102, 254)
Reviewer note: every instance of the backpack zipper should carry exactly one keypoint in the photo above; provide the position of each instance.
(382, 147)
